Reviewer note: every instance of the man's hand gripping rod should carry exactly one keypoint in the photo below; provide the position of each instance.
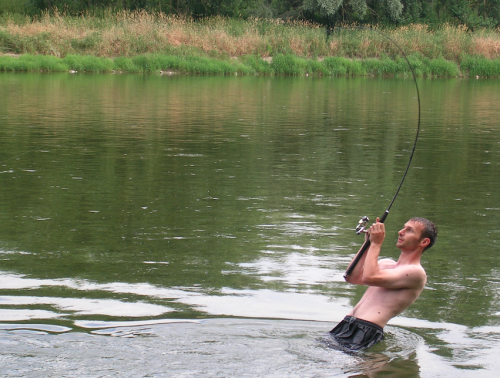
(359, 229)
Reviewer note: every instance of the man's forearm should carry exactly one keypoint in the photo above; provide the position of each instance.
(356, 276)
(371, 267)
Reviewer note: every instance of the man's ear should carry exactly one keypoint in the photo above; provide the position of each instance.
(425, 242)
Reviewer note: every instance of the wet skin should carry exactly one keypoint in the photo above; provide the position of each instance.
(392, 286)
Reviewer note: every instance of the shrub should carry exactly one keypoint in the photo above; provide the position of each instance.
(257, 65)
(287, 65)
(442, 67)
(480, 66)
(336, 65)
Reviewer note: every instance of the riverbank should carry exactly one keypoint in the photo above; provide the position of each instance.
(149, 43)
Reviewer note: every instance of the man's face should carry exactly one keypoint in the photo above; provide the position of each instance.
(409, 237)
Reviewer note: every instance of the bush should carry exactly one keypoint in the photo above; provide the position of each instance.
(257, 65)
(315, 67)
(125, 65)
(480, 66)
(146, 63)
(442, 67)
(88, 63)
(32, 63)
(288, 65)
(336, 65)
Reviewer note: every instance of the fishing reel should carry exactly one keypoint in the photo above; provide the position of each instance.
(362, 224)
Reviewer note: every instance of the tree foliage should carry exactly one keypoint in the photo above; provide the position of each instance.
(471, 13)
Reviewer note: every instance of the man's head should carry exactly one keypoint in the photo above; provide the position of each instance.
(430, 230)
(417, 233)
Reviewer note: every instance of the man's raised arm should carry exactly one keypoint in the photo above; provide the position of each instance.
(397, 277)
(356, 276)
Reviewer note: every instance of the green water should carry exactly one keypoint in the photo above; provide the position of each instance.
(151, 198)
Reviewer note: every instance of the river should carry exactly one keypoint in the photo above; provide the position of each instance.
(157, 226)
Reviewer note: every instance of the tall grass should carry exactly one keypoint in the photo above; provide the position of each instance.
(296, 47)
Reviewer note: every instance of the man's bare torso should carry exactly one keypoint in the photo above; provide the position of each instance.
(378, 305)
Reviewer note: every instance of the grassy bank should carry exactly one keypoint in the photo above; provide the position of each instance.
(281, 64)
(142, 42)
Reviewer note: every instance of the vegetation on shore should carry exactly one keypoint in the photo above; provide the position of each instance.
(152, 42)
(473, 14)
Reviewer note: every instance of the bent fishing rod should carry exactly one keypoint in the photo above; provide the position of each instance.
(364, 220)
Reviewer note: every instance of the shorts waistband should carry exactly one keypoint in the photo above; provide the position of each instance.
(352, 319)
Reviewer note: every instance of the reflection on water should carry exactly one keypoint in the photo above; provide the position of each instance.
(137, 211)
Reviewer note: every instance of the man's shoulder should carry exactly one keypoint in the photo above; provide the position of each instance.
(387, 263)
(414, 272)
(416, 268)
(391, 264)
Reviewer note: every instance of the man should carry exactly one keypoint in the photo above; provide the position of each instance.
(392, 286)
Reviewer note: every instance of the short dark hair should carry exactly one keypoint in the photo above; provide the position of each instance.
(430, 230)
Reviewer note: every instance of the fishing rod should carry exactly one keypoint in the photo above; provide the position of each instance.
(361, 227)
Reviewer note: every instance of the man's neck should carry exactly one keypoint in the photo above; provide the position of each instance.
(410, 258)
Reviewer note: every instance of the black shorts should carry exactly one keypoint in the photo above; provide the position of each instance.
(357, 334)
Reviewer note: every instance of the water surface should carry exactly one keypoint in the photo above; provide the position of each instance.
(201, 225)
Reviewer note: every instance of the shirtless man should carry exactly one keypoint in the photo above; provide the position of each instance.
(392, 286)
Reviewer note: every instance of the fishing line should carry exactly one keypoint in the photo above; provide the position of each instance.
(364, 220)
(15, 157)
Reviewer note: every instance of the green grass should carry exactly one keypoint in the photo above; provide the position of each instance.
(286, 64)
(87, 63)
(256, 64)
(32, 63)
(480, 66)
(282, 64)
